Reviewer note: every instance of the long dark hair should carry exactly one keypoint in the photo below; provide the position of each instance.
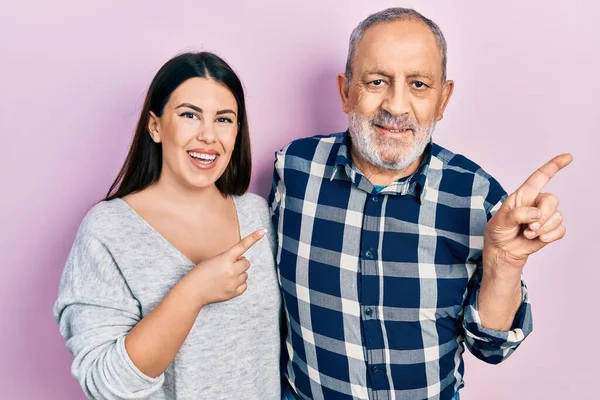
(143, 163)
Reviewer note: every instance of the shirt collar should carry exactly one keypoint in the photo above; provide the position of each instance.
(415, 184)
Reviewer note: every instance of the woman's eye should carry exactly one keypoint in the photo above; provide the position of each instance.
(225, 120)
(189, 115)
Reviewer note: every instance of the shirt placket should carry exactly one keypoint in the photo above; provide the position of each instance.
(370, 296)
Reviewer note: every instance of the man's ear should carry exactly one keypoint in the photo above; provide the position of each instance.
(154, 127)
(446, 94)
(344, 88)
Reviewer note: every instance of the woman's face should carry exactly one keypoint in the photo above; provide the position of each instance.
(197, 131)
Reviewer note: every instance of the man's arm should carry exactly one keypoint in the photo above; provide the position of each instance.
(277, 190)
(483, 341)
(497, 316)
(527, 221)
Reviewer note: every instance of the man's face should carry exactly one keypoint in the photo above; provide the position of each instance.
(396, 94)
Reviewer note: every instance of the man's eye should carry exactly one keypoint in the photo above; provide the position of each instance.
(419, 85)
(376, 84)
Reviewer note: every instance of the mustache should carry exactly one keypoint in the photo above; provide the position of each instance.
(400, 122)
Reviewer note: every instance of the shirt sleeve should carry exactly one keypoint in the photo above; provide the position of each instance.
(277, 190)
(489, 345)
(95, 310)
(262, 209)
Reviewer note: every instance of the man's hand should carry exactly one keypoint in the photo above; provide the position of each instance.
(527, 221)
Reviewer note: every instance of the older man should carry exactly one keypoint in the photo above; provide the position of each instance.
(393, 251)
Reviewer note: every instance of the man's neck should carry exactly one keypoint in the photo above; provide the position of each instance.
(381, 176)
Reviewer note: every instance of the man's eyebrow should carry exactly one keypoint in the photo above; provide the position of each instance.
(378, 72)
(419, 74)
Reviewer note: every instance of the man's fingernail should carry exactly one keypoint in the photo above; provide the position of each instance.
(535, 226)
(534, 213)
(529, 234)
(262, 231)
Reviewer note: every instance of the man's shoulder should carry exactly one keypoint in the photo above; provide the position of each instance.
(307, 147)
(450, 160)
(460, 171)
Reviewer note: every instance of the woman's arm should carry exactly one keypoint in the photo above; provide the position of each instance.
(117, 354)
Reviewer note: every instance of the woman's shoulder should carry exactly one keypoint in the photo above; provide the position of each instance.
(252, 207)
(252, 202)
(104, 219)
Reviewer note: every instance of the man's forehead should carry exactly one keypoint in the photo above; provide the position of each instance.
(400, 30)
(399, 45)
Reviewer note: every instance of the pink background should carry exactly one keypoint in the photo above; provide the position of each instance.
(73, 77)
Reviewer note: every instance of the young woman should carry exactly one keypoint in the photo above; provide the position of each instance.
(169, 291)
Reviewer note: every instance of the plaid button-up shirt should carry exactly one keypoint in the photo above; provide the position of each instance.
(380, 286)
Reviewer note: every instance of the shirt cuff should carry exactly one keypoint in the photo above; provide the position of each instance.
(494, 339)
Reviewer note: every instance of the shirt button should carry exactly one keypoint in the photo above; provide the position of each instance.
(369, 254)
(375, 199)
(368, 312)
(375, 369)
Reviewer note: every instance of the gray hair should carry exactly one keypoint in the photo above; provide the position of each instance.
(394, 14)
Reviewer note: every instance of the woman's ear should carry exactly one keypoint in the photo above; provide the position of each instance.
(154, 127)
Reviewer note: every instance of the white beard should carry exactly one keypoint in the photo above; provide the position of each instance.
(385, 152)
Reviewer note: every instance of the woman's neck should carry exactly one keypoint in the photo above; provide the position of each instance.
(177, 195)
